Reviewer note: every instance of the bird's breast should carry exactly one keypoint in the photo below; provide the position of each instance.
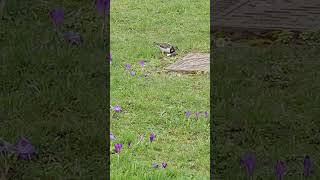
(167, 50)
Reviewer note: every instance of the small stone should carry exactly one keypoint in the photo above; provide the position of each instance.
(191, 63)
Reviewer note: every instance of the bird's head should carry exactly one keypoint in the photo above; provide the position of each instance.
(173, 49)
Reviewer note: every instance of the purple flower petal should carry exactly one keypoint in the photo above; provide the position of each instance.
(249, 162)
(307, 166)
(206, 114)
(103, 6)
(152, 137)
(112, 137)
(128, 67)
(109, 57)
(118, 148)
(279, 169)
(132, 73)
(117, 108)
(164, 165)
(73, 38)
(25, 149)
(187, 113)
(155, 165)
(6, 147)
(57, 16)
(141, 63)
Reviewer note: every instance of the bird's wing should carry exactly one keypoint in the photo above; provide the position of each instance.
(162, 45)
(165, 45)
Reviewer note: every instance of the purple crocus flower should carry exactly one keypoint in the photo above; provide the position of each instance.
(112, 137)
(187, 113)
(306, 166)
(279, 170)
(152, 137)
(118, 147)
(117, 108)
(164, 165)
(155, 165)
(57, 16)
(206, 114)
(128, 67)
(129, 144)
(249, 162)
(132, 73)
(102, 6)
(110, 57)
(141, 63)
(72, 38)
(24, 149)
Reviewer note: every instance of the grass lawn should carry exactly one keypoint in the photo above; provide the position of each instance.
(157, 103)
(266, 102)
(51, 92)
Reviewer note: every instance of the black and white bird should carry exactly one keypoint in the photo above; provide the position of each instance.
(169, 49)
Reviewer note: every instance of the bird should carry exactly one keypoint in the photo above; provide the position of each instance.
(166, 48)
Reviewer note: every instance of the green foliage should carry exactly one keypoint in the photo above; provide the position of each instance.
(52, 92)
(284, 37)
(311, 36)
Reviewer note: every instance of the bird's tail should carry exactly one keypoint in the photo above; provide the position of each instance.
(156, 44)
